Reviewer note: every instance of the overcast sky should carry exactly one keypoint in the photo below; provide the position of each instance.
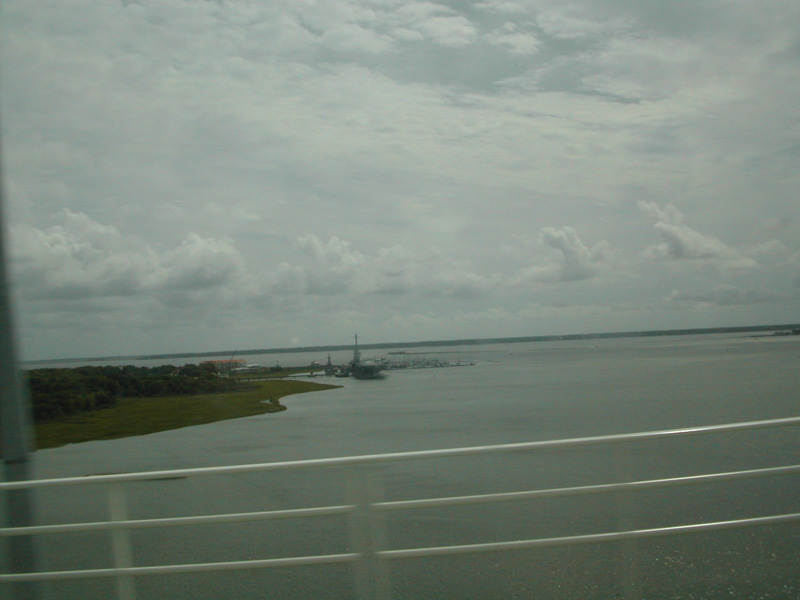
(187, 175)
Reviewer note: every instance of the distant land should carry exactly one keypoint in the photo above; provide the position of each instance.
(428, 343)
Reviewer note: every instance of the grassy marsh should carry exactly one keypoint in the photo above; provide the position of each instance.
(140, 416)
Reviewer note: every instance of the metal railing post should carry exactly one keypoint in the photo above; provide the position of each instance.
(377, 528)
(627, 510)
(367, 532)
(121, 541)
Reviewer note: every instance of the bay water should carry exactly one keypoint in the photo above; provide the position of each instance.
(513, 393)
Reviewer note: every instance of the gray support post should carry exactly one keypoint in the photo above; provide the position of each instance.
(630, 569)
(121, 541)
(367, 533)
(16, 436)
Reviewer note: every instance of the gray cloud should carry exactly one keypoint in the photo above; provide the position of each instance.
(302, 166)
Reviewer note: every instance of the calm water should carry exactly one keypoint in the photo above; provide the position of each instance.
(515, 393)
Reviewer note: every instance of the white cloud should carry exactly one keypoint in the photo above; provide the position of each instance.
(81, 258)
(437, 23)
(726, 295)
(331, 265)
(202, 263)
(400, 270)
(566, 23)
(574, 261)
(502, 6)
(514, 41)
(334, 268)
(420, 11)
(771, 247)
(682, 243)
(670, 214)
(407, 35)
(351, 37)
(452, 32)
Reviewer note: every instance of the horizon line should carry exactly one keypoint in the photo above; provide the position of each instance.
(451, 342)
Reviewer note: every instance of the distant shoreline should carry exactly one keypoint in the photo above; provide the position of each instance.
(429, 343)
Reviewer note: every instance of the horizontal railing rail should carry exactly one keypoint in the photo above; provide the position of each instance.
(404, 456)
(400, 504)
(296, 513)
(572, 540)
(365, 509)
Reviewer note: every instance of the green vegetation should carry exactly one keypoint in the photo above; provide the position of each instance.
(139, 416)
(102, 403)
(59, 393)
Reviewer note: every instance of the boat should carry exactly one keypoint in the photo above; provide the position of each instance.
(365, 369)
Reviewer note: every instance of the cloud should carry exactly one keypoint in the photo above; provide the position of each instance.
(201, 263)
(331, 266)
(574, 262)
(451, 32)
(682, 243)
(724, 295)
(771, 247)
(567, 23)
(502, 6)
(334, 268)
(439, 24)
(400, 271)
(351, 37)
(515, 42)
(670, 214)
(81, 258)
(410, 141)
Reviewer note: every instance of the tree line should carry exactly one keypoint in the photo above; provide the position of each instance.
(59, 393)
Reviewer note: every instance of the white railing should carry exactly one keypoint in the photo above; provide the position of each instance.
(366, 510)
